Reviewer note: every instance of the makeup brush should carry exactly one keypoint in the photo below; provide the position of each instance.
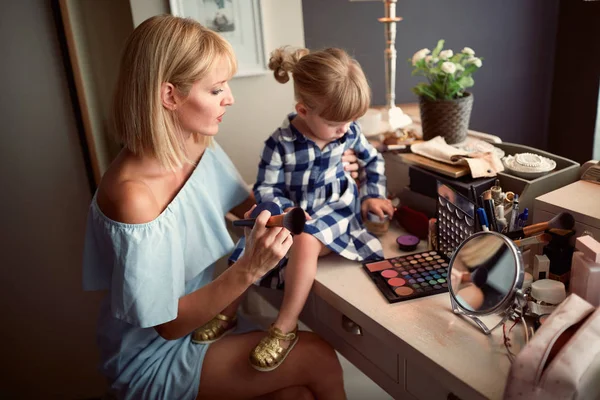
(488, 206)
(292, 220)
(538, 239)
(560, 221)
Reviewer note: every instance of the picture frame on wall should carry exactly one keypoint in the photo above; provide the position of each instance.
(238, 21)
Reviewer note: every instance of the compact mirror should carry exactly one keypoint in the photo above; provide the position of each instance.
(486, 277)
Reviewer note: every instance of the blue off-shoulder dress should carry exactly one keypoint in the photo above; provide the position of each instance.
(146, 268)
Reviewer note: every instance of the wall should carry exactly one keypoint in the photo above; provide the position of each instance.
(48, 323)
(260, 102)
(575, 101)
(516, 39)
(96, 32)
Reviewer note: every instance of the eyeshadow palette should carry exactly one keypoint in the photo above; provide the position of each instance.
(411, 276)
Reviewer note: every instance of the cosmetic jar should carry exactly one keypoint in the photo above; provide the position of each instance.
(375, 225)
(546, 295)
(407, 242)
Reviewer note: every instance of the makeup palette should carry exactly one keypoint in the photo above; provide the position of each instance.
(411, 276)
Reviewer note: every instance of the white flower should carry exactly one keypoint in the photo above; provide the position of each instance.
(469, 51)
(449, 67)
(446, 54)
(430, 59)
(475, 61)
(419, 55)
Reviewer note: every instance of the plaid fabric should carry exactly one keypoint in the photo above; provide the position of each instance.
(293, 171)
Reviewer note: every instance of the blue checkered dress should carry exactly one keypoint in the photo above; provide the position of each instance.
(293, 171)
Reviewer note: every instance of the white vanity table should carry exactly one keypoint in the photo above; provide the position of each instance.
(415, 349)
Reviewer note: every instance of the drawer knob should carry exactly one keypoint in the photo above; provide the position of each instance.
(351, 326)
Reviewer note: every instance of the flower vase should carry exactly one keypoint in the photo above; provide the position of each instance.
(446, 118)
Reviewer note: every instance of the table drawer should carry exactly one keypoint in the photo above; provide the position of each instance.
(423, 385)
(363, 341)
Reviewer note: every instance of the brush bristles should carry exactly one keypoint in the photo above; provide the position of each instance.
(562, 221)
(295, 220)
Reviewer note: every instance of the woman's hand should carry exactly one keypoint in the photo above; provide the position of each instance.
(377, 206)
(264, 246)
(350, 163)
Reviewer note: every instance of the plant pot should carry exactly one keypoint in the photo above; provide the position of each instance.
(446, 118)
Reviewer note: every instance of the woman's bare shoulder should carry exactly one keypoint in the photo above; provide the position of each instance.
(124, 197)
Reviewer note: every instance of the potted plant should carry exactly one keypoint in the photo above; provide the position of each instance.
(444, 104)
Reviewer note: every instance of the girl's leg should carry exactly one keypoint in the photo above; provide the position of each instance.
(226, 373)
(299, 277)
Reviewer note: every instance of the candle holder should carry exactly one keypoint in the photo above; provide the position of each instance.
(392, 116)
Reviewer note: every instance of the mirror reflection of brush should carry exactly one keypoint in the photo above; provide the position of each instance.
(292, 220)
(563, 220)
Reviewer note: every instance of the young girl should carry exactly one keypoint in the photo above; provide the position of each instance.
(301, 166)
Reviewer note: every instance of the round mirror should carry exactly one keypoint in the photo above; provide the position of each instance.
(485, 272)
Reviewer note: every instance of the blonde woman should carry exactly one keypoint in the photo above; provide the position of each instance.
(301, 166)
(156, 227)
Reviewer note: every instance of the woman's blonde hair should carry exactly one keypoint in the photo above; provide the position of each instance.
(162, 49)
(328, 81)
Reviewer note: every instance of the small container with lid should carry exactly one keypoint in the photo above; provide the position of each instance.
(546, 295)
(376, 225)
(585, 270)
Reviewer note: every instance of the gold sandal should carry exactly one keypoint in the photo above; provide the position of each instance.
(268, 353)
(214, 329)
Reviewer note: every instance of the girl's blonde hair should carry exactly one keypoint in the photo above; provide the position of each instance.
(162, 49)
(328, 81)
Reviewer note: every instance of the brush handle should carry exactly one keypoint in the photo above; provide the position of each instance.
(244, 222)
(274, 220)
(528, 230)
(491, 214)
(535, 228)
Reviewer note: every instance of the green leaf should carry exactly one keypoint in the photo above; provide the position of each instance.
(457, 57)
(423, 89)
(438, 48)
(466, 82)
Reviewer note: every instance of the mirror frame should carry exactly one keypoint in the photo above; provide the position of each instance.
(511, 302)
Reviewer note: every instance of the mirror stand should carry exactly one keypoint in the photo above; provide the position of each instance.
(486, 278)
(513, 312)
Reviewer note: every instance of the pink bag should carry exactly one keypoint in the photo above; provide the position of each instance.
(562, 360)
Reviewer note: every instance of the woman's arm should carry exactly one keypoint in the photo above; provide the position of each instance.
(244, 206)
(133, 202)
(199, 307)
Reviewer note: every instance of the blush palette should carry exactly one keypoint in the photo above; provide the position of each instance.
(411, 276)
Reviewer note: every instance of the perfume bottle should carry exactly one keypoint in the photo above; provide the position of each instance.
(585, 270)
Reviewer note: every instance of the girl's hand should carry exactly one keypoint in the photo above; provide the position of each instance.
(379, 207)
(264, 246)
(350, 163)
(305, 213)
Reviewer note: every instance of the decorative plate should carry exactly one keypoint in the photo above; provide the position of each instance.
(528, 165)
